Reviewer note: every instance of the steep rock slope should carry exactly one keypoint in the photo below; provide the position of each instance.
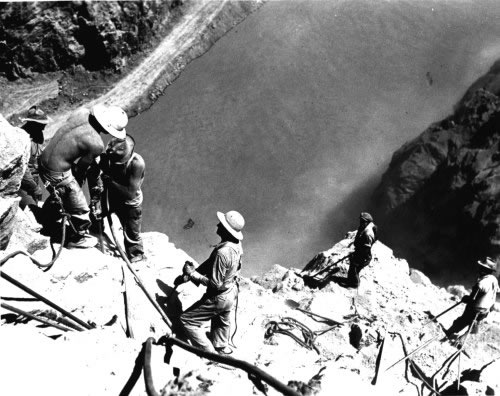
(50, 36)
(392, 299)
(438, 202)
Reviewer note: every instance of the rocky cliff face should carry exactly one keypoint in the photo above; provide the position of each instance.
(438, 203)
(50, 36)
(393, 300)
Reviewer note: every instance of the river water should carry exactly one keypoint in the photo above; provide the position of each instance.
(292, 117)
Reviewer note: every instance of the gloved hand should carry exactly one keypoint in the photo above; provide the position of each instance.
(37, 195)
(179, 280)
(188, 268)
(106, 179)
(466, 299)
(96, 212)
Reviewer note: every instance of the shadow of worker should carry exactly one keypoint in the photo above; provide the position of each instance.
(171, 306)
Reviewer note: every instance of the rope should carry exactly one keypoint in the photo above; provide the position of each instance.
(231, 341)
(55, 255)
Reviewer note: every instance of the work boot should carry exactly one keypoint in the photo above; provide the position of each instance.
(224, 351)
(137, 259)
(84, 242)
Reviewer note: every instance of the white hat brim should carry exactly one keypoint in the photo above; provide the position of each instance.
(99, 114)
(43, 122)
(237, 234)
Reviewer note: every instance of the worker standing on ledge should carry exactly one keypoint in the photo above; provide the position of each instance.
(481, 300)
(365, 237)
(64, 162)
(219, 274)
(121, 171)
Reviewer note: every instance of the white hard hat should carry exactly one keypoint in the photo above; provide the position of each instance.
(488, 263)
(112, 118)
(233, 222)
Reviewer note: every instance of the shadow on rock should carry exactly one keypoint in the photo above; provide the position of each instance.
(171, 305)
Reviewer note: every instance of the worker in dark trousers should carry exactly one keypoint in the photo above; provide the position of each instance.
(121, 171)
(34, 123)
(481, 300)
(64, 162)
(362, 255)
(219, 274)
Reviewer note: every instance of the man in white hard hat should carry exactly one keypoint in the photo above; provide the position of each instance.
(64, 162)
(34, 123)
(219, 274)
(121, 171)
(480, 301)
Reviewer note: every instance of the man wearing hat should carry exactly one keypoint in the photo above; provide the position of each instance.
(219, 274)
(64, 163)
(121, 170)
(362, 255)
(480, 301)
(34, 124)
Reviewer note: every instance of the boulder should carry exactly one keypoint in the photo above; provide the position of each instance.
(8, 210)
(26, 233)
(14, 155)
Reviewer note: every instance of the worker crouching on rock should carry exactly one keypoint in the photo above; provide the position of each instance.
(481, 300)
(120, 170)
(219, 274)
(64, 162)
(365, 237)
(34, 123)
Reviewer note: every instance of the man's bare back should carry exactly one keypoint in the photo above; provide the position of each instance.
(77, 139)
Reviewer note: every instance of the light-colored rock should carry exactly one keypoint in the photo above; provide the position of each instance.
(457, 290)
(14, 154)
(25, 233)
(419, 277)
(8, 210)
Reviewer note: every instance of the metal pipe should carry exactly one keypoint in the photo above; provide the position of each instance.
(413, 352)
(137, 278)
(34, 317)
(442, 313)
(241, 364)
(46, 301)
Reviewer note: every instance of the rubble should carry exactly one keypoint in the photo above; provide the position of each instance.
(89, 284)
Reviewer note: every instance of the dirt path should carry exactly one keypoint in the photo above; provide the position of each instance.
(138, 89)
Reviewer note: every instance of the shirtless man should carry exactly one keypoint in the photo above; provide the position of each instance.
(121, 171)
(64, 162)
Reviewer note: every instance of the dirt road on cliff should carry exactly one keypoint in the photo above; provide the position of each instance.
(203, 22)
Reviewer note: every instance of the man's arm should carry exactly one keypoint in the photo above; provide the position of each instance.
(29, 185)
(219, 270)
(92, 148)
(129, 191)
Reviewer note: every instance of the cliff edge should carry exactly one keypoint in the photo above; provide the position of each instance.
(340, 355)
(438, 202)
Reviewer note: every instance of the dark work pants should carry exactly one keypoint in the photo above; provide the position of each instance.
(466, 319)
(74, 203)
(355, 266)
(131, 219)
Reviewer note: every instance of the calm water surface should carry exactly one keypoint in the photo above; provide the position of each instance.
(292, 117)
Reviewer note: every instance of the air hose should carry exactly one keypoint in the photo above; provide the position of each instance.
(55, 255)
